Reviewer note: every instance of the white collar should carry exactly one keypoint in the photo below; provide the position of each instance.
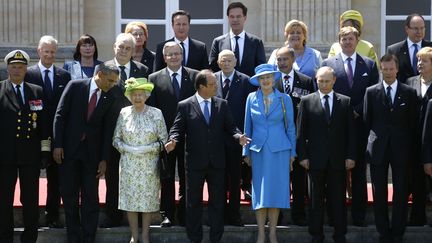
(353, 57)
(242, 34)
(393, 85)
(179, 72)
(43, 68)
(201, 99)
(231, 77)
(185, 42)
(127, 65)
(329, 94)
(410, 43)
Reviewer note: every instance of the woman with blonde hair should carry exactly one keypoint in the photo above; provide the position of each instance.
(141, 54)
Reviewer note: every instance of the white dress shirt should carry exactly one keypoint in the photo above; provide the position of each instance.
(127, 68)
(240, 42)
(411, 48)
(21, 90)
(202, 103)
(186, 47)
(42, 69)
(178, 77)
(290, 79)
(330, 100)
(393, 89)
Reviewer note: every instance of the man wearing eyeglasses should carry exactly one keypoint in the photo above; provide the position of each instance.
(171, 85)
(406, 50)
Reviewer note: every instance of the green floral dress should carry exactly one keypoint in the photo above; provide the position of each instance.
(139, 182)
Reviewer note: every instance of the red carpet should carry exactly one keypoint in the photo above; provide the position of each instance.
(102, 191)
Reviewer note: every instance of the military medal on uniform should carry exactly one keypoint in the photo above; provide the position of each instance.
(35, 105)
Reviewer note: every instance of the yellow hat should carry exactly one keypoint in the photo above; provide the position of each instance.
(133, 84)
(17, 56)
(351, 14)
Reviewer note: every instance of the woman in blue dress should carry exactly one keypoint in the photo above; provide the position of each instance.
(269, 121)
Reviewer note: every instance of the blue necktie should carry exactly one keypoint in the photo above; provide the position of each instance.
(176, 85)
(47, 85)
(350, 73)
(206, 112)
(19, 96)
(389, 98)
(414, 62)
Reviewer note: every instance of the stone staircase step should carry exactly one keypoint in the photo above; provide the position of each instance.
(247, 234)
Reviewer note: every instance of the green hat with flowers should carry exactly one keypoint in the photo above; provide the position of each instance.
(133, 84)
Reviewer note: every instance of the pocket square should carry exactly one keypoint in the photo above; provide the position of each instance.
(402, 104)
(364, 75)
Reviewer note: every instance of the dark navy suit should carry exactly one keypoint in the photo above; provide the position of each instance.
(365, 75)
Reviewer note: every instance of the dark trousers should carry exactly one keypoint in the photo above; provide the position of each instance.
(232, 180)
(332, 183)
(112, 188)
(298, 184)
(78, 177)
(167, 206)
(29, 186)
(379, 177)
(53, 192)
(194, 205)
(417, 188)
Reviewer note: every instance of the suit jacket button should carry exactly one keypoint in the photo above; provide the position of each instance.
(19, 113)
(29, 122)
(17, 135)
(19, 120)
(28, 136)
(29, 129)
(18, 128)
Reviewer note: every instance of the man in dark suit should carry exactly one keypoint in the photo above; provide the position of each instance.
(406, 50)
(23, 125)
(53, 80)
(327, 148)
(234, 87)
(354, 73)
(248, 48)
(194, 51)
(123, 50)
(202, 120)
(82, 144)
(390, 114)
(171, 85)
(249, 53)
(296, 85)
(417, 180)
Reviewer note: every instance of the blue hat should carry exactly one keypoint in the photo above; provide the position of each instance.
(262, 70)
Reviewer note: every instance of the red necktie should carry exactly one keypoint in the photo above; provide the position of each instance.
(92, 104)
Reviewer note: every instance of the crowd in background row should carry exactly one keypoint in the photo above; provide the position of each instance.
(229, 118)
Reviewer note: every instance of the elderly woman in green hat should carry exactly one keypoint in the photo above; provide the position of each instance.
(137, 134)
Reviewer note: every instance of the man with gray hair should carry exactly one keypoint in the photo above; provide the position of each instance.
(53, 80)
(171, 85)
(128, 68)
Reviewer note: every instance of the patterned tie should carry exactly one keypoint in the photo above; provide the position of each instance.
(415, 60)
(123, 75)
(389, 99)
(19, 96)
(176, 85)
(206, 112)
(237, 51)
(47, 85)
(327, 108)
(184, 54)
(225, 88)
(350, 73)
(287, 87)
(92, 104)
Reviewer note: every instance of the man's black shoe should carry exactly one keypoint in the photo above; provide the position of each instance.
(300, 222)
(359, 223)
(166, 222)
(235, 222)
(107, 223)
(54, 224)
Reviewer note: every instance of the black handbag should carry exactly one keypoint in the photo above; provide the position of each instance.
(163, 166)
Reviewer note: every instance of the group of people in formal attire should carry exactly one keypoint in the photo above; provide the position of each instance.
(229, 118)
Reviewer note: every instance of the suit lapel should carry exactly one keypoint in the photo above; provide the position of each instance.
(219, 84)
(197, 109)
(133, 69)
(213, 110)
(398, 99)
(10, 93)
(184, 79)
(406, 56)
(335, 110)
(226, 43)
(317, 103)
(166, 78)
(359, 69)
(276, 101)
(260, 102)
(340, 68)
